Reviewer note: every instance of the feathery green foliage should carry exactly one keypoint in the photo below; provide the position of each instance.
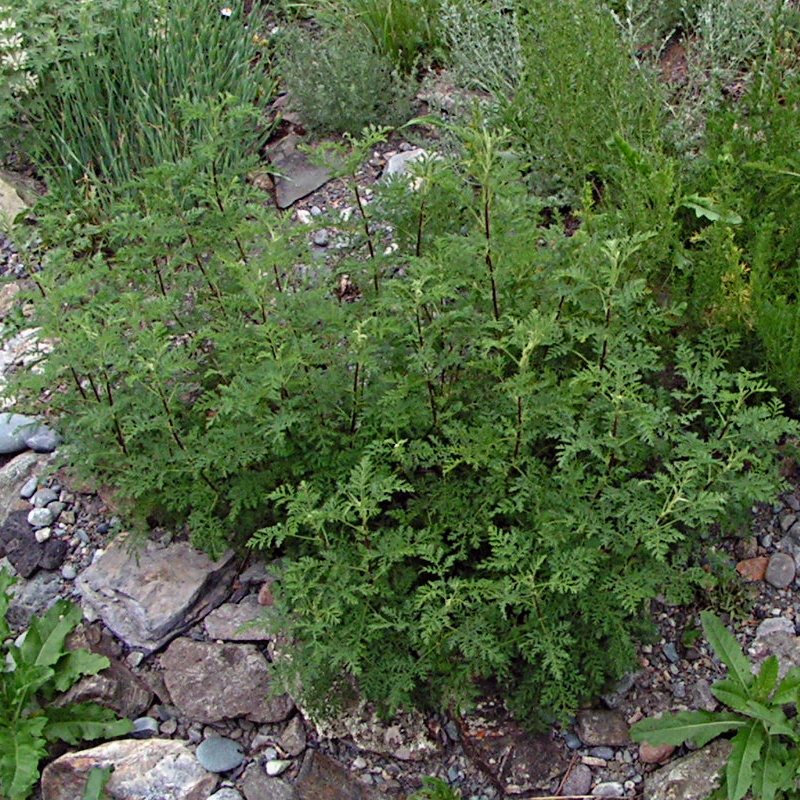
(482, 460)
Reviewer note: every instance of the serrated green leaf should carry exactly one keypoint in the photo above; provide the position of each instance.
(44, 643)
(765, 680)
(699, 727)
(80, 721)
(745, 750)
(773, 718)
(76, 663)
(96, 783)
(6, 582)
(727, 648)
(705, 207)
(787, 691)
(771, 772)
(731, 694)
(21, 749)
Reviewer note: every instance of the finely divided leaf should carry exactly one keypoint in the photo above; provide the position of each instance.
(83, 721)
(728, 649)
(21, 749)
(746, 749)
(699, 727)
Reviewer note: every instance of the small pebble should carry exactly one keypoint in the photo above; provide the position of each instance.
(609, 789)
(359, 762)
(572, 741)
(218, 754)
(82, 535)
(316, 211)
(44, 496)
(42, 534)
(29, 487)
(144, 728)
(320, 238)
(671, 652)
(40, 517)
(68, 572)
(605, 753)
(169, 727)
(780, 570)
(276, 766)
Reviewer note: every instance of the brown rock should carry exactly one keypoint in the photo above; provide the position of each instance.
(154, 768)
(753, 569)
(265, 597)
(519, 761)
(115, 687)
(655, 753)
(322, 778)
(210, 682)
(598, 727)
(257, 785)
(239, 622)
(293, 738)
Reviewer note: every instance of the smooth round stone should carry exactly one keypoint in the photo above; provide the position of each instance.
(780, 570)
(29, 487)
(320, 238)
(14, 429)
(40, 517)
(225, 794)
(277, 766)
(218, 754)
(144, 728)
(55, 508)
(43, 440)
(606, 753)
(68, 572)
(44, 496)
(42, 535)
(609, 789)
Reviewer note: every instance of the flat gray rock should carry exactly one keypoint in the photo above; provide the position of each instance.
(210, 682)
(219, 754)
(147, 596)
(151, 768)
(240, 622)
(295, 175)
(693, 777)
(599, 727)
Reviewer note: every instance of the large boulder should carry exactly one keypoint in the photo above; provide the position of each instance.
(149, 595)
(154, 768)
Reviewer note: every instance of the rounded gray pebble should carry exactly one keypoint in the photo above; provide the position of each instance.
(225, 794)
(602, 752)
(43, 441)
(671, 652)
(218, 754)
(144, 728)
(40, 517)
(572, 741)
(609, 789)
(780, 570)
(43, 497)
(68, 572)
(29, 487)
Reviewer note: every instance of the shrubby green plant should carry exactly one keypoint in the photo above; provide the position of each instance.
(436, 789)
(34, 671)
(341, 83)
(482, 460)
(119, 106)
(407, 32)
(765, 756)
(575, 97)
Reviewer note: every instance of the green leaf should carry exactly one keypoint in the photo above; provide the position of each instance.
(76, 663)
(705, 207)
(96, 783)
(773, 718)
(6, 582)
(787, 691)
(699, 727)
(44, 642)
(21, 748)
(765, 681)
(80, 721)
(771, 772)
(746, 749)
(728, 650)
(732, 694)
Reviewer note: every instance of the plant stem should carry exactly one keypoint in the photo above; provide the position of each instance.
(487, 232)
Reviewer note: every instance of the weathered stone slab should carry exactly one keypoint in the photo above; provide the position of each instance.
(600, 727)
(693, 777)
(246, 621)
(147, 596)
(210, 682)
(322, 778)
(154, 768)
(295, 175)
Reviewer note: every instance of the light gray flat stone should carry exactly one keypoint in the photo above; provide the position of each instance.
(246, 621)
(151, 768)
(295, 175)
(147, 596)
(219, 754)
